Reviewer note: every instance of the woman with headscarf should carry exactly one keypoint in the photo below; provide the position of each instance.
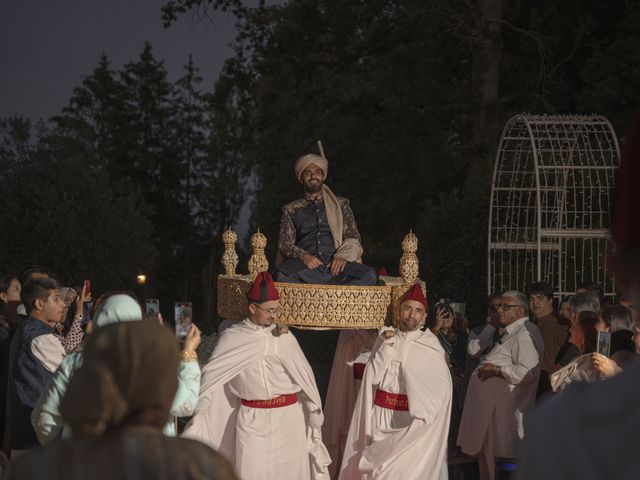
(116, 307)
(116, 405)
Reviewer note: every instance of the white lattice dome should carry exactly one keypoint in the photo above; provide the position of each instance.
(550, 203)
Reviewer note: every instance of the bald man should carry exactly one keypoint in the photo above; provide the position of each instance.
(319, 239)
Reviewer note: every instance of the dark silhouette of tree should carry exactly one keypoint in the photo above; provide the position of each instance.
(409, 99)
(60, 213)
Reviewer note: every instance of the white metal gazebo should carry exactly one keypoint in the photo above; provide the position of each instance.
(550, 203)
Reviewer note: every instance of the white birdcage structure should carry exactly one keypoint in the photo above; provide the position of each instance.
(551, 200)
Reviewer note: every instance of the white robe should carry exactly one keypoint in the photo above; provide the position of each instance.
(385, 444)
(343, 390)
(250, 363)
(492, 417)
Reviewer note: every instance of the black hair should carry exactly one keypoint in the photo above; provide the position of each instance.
(5, 282)
(617, 317)
(492, 297)
(540, 288)
(37, 289)
(587, 321)
(25, 275)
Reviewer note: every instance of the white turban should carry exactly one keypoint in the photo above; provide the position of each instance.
(311, 159)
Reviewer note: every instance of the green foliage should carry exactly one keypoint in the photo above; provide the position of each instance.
(388, 86)
(611, 74)
(164, 172)
(61, 214)
(367, 100)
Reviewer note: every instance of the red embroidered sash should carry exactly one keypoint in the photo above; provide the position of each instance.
(392, 401)
(358, 370)
(281, 401)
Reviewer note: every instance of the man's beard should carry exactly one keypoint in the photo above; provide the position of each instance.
(406, 326)
(313, 187)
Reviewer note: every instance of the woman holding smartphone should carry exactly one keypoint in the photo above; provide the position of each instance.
(116, 307)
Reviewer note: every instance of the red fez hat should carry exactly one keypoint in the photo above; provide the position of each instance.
(263, 289)
(414, 293)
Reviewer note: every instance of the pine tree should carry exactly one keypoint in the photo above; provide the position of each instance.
(92, 120)
(189, 118)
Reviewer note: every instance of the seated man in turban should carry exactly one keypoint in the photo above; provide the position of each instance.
(319, 238)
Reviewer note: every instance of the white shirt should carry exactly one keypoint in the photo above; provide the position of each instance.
(48, 350)
(491, 421)
(517, 352)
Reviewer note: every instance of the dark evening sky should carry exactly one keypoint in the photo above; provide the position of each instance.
(46, 47)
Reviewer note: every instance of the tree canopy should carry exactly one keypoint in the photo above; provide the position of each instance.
(408, 97)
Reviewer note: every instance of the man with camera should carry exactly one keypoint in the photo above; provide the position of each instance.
(400, 421)
(503, 387)
(259, 405)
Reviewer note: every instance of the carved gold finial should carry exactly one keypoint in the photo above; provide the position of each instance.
(229, 257)
(258, 261)
(409, 260)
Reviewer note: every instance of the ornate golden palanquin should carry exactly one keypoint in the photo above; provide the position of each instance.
(317, 306)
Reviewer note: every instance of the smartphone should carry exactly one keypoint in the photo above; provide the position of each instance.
(152, 305)
(183, 319)
(604, 343)
(444, 304)
(87, 288)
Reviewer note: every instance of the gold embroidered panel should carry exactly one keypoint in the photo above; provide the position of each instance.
(319, 306)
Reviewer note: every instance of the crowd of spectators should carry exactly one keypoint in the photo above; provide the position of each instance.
(560, 343)
(527, 348)
(60, 384)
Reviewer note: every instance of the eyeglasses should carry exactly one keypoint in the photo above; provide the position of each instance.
(505, 306)
(272, 312)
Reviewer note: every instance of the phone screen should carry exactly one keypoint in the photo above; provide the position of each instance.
(183, 319)
(152, 305)
(604, 343)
